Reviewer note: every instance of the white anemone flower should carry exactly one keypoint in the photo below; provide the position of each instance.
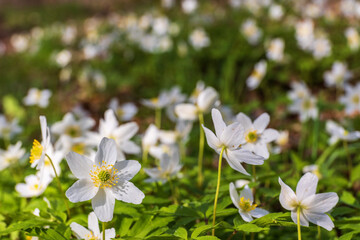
(63, 58)
(275, 50)
(351, 99)
(199, 39)
(180, 133)
(37, 97)
(312, 207)
(256, 136)
(353, 38)
(125, 112)
(305, 34)
(158, 102)
(169, 166)
(175, 97)
(245, 203)
(257, 75)
(150, 137)
(299, 91)
(189, 6)
(321, 48)
(230, 138)
(204, 101)
(251, 31)
(313, 168)
(11, 155)
(93, 231)
(338, 132)
(306, 108)
(8, 129)
(276, 12)
(338, 75)
(103, 180)
(33, 187)
(72, 127)
(109, 127)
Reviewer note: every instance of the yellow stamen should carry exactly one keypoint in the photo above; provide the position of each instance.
(246, 205)
(251, 136)
(78, 148)
(36, 151)
(104, 176)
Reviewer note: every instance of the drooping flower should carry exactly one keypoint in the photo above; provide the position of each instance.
(257, 75)
(93, 231)
(311, 206)
(37, 97)
(11, 155)
(230, 138)
(103, 180)
(338, 132)
(245, 203)
(256, 136)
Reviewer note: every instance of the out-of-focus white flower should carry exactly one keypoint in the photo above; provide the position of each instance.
(81, 145)
(189, 6)
(180, 133)
(275, 50)
(228, 139)
(167, 3)
(314, 9)
(125, 112)
(19, 42)
(241, 183)
(160, 25)
(348, 7)
(276, 11)
(93, 232)
(283, 138)
(251, 31)
(9, 129)
(305, 34)
(72, 127)
(63, 58)
(175, 97)
(69, 34)
(351, 99)
(103, 180)
(338, 75)
(37, 97)
(199, 39)
(150, 137)
(314, 169)
(11, 155)
(235, 3)
(109, 127)
(311, 206)
(257, 75)
(203, 102)
(158, 102)
(353, 38)
(256, 136)
(306, 108)
(245, 203)
(169, 166)
(299, 91)
(32, 187)
(321, 48)
(338, 132)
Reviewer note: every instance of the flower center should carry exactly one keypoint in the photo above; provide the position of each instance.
(307, 104)
(104, 176)
(120, 112)
(251, 137)
(36, 151)
(246, 205)
(90, 236)
(73, 131)
(78, 148)
(356, 99)
(154, 100)
(256, 74)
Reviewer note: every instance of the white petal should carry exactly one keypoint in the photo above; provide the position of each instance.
(127, 192)
(211, 139)
(79, 165)
(246, 216)
(244, 120)
(126, 131)
(320, 219)
(130, 147)
(246, 193)
(218, 121)
(81, 190)
(186, 111)
(247, 157)
(232, 135)
(258, 212)
(109, 234)
(103, 204)
(127, 169)
(43, 126)
(107, 152)
(306, 186)
(261, 149)
(234, 162)
(207, 99)
(321, 203)
(79, 231)
(287, 196)
(262, 122)
(234, 195)
(303, 220)
(269, 135)
(93, 224)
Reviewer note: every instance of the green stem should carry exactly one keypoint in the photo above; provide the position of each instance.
(173, 192)
(59, 185)
(252, 236)
(145, 155)
(315, 139)
(201, 150)
(319, 232)
(217, 188)
(103, 228)
(158, 117)
(348, 157)
(298, 223)
(254, 177)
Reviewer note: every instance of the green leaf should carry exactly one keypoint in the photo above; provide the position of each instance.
(207, 238)
(202, 229)
(51, 234)
(181, 232)
(249, 227)
(12, 107)
(35, 222)
(347, 198)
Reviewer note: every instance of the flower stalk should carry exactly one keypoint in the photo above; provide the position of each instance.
(298, 223)
(158, 117)
(348, 158)
(103, 228)
(217, 189)
(201, 150)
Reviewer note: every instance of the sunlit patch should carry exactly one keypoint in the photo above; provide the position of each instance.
(36, 151)
(251, 136)
(246, 205)
(104, 176)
